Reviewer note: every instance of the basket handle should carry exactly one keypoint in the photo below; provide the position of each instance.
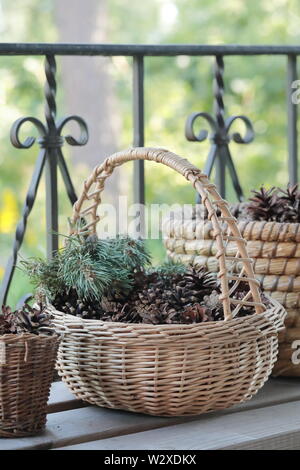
(94, 186)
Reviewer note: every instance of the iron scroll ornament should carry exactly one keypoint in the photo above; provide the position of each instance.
(47, 139)
(220, 139)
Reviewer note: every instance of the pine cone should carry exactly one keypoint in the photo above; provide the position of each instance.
(265, 205)
(111, 305)
(194, 285)
(291, 203)
(6, 320)
(151, 303)
(178, 290)
(150, 313)
(196, 313)
(119, 313)
(157, 313)
(213, 303)
(171, 299)
(68, 302)
(25, 320)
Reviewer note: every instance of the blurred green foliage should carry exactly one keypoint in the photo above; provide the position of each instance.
(174, 87)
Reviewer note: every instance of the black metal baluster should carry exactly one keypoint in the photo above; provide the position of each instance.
(138, 127)
(138, 139)
(51, 144)
(66, 177)
(21, 227)
(292, 115)
(219, 111)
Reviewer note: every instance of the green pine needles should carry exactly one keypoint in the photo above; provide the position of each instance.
(43, 275)
(90, 266)
(169, 268)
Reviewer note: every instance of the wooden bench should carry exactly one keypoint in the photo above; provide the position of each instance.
(271, 420)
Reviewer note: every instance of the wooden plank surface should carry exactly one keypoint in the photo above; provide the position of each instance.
(61, 399)
(266, 428)
(68, 424)
(275, 391)
(86, 424)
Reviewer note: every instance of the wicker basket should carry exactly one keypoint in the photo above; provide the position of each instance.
(27, 365)
(275, 249)
(170, 369)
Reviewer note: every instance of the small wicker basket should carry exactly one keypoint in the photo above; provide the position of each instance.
(275, 250)
(171, 369)
(27, 364)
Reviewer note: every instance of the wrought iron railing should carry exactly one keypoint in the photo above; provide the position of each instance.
(51, 140)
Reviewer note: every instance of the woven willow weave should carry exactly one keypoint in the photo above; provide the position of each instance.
(275, 249)
(171, 369)
(26, 371)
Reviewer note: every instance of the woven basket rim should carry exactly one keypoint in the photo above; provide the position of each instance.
(13, 337)
(239, 220)
(163, 326)
(264, 222)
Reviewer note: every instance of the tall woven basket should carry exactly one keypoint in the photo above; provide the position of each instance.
(171, 369)
(27, 364)
(275, 250)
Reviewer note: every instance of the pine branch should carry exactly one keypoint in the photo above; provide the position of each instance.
(79, 268)
(43, 274)
(169, 268)
(132, 253)
(89, 266)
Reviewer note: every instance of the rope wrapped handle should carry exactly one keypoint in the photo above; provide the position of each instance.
(91, 195)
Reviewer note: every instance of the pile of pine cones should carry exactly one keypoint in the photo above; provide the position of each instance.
(275, 204)
(190, 295)
(76, 283)
(25, 320)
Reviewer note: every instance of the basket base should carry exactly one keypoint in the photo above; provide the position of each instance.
(188, 410)
(13, 433)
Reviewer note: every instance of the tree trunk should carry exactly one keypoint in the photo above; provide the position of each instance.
(87, 86)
